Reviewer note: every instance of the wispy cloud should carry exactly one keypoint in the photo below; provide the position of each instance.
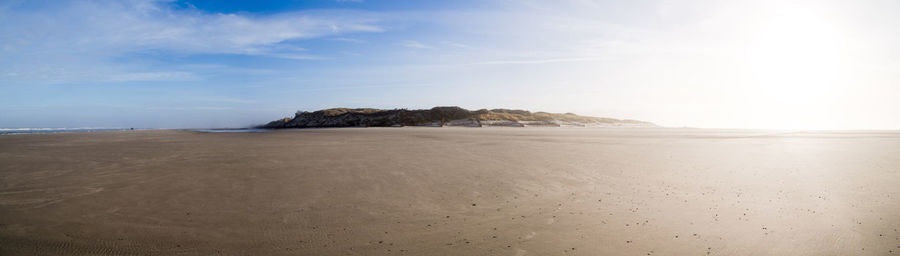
(149, 76)
(347, 39)
(62, 74)
(205, 108)
(152, 25)
(415, 44)
(226, 100)
(537, 61)
(457, 45)
(82, 37)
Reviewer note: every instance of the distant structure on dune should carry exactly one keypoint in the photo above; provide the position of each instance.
(443, 116)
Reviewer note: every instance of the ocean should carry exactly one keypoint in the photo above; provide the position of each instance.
(6, 131)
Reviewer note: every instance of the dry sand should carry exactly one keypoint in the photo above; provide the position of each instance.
(451, 191)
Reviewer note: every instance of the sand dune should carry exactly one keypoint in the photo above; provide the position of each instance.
(451, 191)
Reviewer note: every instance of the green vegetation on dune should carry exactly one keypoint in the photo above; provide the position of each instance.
(438, 116)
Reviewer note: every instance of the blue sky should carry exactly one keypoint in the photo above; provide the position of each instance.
(176, 64)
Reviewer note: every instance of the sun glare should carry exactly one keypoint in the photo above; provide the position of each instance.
(795, 60)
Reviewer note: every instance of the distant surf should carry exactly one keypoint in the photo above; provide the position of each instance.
(12, 131)
(229, 130)
(5, 131)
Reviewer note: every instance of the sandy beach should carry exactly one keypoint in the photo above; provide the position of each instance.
(451, 191)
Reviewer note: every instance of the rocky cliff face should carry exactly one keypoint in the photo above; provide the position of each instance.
(441, 116)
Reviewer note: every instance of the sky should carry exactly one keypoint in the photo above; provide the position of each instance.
(755, 64)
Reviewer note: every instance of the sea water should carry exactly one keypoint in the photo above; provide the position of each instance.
(5, 131)
(230, 130)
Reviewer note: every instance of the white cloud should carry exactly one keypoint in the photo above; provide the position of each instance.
(457, 45)
(148, 76)
(537, 61)
(61, 74)
(415, 44)
(209, 108)
(347, 39)
(226, 100)
(72, 40)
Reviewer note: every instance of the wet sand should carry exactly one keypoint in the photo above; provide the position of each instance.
(451, 191)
